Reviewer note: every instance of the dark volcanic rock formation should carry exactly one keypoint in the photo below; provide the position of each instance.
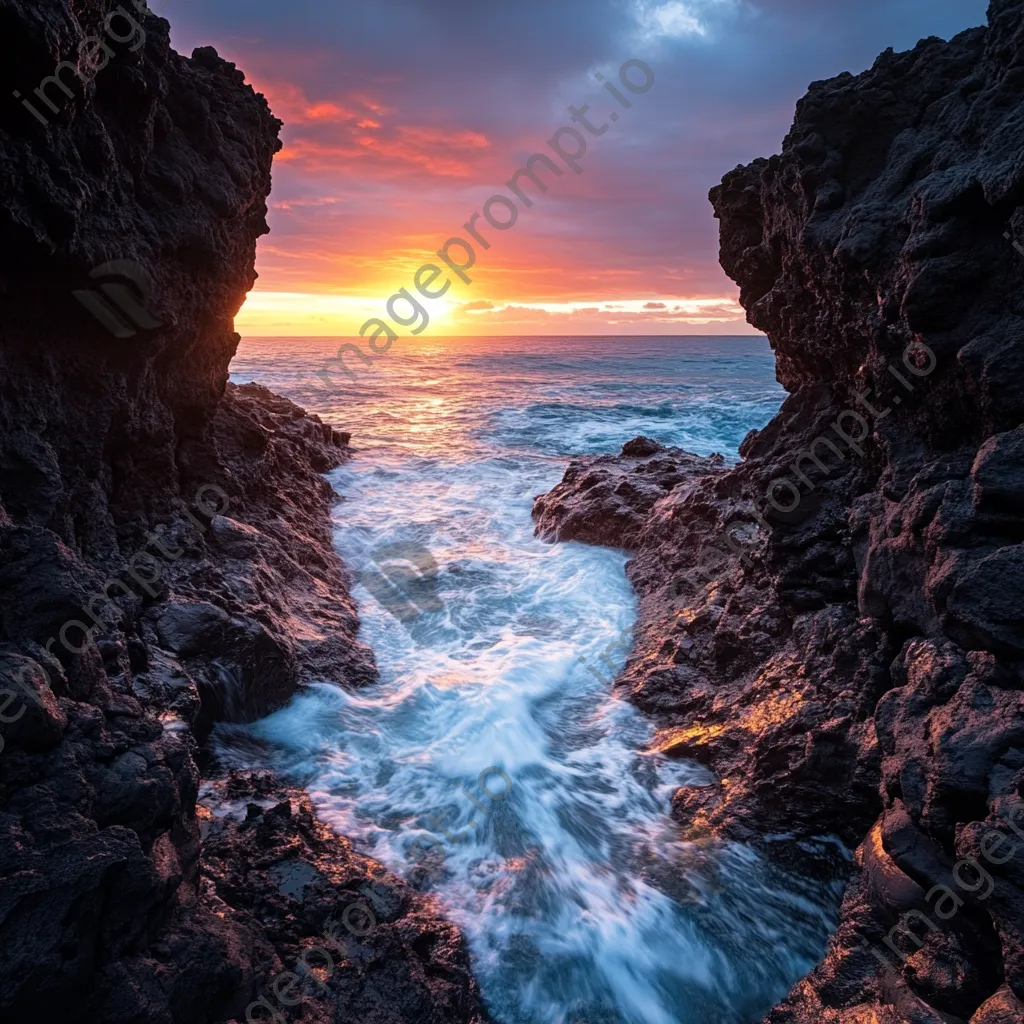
(835, 626)
(606, 499)
(165, 548)
(383, 951)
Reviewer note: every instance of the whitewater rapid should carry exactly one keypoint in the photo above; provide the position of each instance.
(579, 897)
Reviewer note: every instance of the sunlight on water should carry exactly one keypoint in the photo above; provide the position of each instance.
(579, 898)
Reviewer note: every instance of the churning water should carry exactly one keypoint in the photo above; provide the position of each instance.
(580, 900)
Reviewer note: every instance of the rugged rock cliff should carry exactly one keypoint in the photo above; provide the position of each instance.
(835, 626)
(165, 558)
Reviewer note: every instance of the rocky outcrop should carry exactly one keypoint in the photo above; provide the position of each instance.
(354, 942)
(165, 548)
(834, 625)
(606, 499)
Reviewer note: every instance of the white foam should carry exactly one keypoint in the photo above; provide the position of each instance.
(579, 898)
(566, 890)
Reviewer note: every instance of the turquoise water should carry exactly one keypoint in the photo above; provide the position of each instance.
(579, 898)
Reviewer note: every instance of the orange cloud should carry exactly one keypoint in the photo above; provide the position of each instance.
(289, 102)
(331, 134)
(443, 152)
(378, 197)
(328, 111)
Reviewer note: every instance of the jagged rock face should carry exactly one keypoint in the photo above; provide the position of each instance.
(374, 935)
(606, 499)
(881, 226)
(875, 238)
(883, 222)
(155, 159)
(835, 625)
(165, 538)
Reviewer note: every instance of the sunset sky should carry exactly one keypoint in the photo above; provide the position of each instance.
(403, 116)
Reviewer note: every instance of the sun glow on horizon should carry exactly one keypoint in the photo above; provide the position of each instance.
(319, 314)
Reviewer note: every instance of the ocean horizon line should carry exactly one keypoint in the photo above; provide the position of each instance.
(477, 337)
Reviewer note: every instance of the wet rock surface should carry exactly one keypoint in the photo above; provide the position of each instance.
(352, 940)
(605, 499)
(165, 559)
(834, 626)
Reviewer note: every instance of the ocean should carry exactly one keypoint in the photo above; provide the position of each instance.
(580, 900)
